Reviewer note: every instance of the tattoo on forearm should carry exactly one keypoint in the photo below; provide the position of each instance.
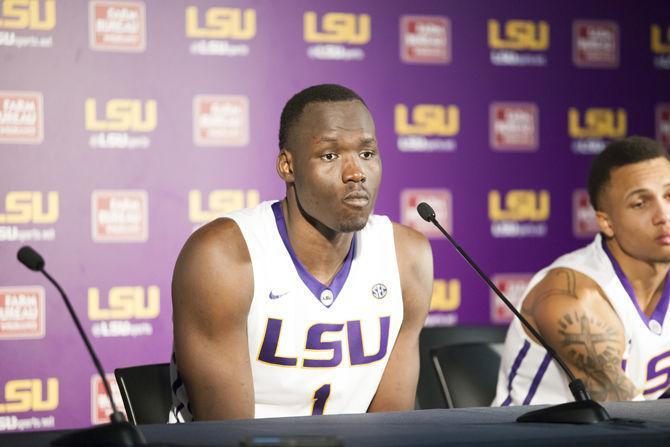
(592, 346)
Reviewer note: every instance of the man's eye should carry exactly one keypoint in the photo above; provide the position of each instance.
(367, 155)
(329, 157)
(637, 204)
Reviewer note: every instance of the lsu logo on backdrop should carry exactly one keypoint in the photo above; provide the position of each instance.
(427, 128)
(425, 39)
(21, 117)
(219, 202)
(591, 129)
(595, 44)
(514, 126)
(29, 207)
(22, 312)
(117, 26)
(663, 124)
(518, 43)
(28, 396)
(220, 120)
(512, 285)
(26, 16)
(101, 407)
(444, 303)
(584, 223)
(112, 316)
(116, 127)
(336, 35)
(660, 46)
(439, 199)
(221, 31)
(522, 213)
(119, 215)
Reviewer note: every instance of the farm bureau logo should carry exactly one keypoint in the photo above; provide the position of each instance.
(514, 126)
(125, 123)
(118, 26)
(222, 31)
(430, 128)
(119, 215)
(24, 17)
(444, 302)
(512, 285)
(425, 39)
(28, 395)
(663, 124)
(28, 207)
(21, 117)
(584, 222)
(220, 120)
(660, 47)
(439, 199)
(22, 312)
(219, 202)
(341, 37)
(595, 44)
(113, 318)
(523, 214)
(523, 43)
(599, 125)
(101, 407)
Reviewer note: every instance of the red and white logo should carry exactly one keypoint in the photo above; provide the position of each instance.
(21, 312)
(101, 407)
(512, 285)
(425, 39)
(117, 26)
(584, 223)
(663, 124)
(439, 199)
(220, 120)
(21, 117)
(513, 126)
(595, 44)
(120, 216)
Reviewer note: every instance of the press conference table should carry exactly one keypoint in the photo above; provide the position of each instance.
(472, 426)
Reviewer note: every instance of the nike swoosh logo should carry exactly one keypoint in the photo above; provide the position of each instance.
(274, 296)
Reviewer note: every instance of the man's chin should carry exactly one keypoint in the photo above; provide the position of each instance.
(352, 225)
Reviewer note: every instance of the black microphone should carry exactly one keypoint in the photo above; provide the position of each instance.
(118, 431)
(584, 410)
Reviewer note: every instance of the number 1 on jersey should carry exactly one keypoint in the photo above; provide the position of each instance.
(320, 398)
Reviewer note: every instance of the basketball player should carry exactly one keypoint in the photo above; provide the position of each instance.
(309, 305)
(603, 308)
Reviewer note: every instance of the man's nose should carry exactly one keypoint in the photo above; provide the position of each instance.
(661, 217)
(352, 171)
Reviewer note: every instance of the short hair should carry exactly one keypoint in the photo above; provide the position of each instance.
(620, 153)
(316, 93)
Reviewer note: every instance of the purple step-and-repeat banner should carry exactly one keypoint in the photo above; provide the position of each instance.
(124, 125)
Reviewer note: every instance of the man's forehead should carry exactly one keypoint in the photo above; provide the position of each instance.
(644, 175)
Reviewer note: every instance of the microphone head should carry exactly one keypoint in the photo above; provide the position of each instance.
(426, 212)
(30, 258)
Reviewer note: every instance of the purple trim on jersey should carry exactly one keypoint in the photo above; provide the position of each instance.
(515, 368)
(537, 379)
(662, 306)
(312, 283)
(624, 362)
(355, 338)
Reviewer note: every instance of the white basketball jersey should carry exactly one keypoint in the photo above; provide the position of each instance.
(316, 349)
(528, 375)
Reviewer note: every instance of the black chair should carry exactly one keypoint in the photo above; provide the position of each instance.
(468, 373)
(146, 392)
(430, 393)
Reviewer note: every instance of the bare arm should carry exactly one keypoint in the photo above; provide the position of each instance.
(397, 389)
(212, 287)
(570, 311)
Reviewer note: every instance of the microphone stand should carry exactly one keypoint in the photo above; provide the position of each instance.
(583, 410)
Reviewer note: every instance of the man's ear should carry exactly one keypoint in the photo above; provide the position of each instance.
(604, 224)
(285, 166)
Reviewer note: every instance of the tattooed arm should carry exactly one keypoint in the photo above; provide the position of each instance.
(573, 314)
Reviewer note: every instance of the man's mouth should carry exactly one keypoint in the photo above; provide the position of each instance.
(358, 199)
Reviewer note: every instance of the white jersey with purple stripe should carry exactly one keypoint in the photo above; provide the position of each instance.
(528, 375)
(315, 349)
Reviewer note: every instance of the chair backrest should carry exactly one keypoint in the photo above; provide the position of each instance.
(146, 392)
(468, 373)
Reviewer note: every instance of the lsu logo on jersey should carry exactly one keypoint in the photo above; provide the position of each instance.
(584, 222)
(518, 35)
(23, 395)
(21, 117)
(124, 303)
(514, 126)
(425, 39)
(219, 202)
(590, 129)
(101, 407)
(120, 215)
(439, 199)
(122, 115)
(35, 15)
(427, 120)
(595, 44)
(221, 23)
(513, 286)
(333, 32)
(24, 207)
(117, 26)
(660, 46)
(663, 124)
(523, 213)
(22, 312)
